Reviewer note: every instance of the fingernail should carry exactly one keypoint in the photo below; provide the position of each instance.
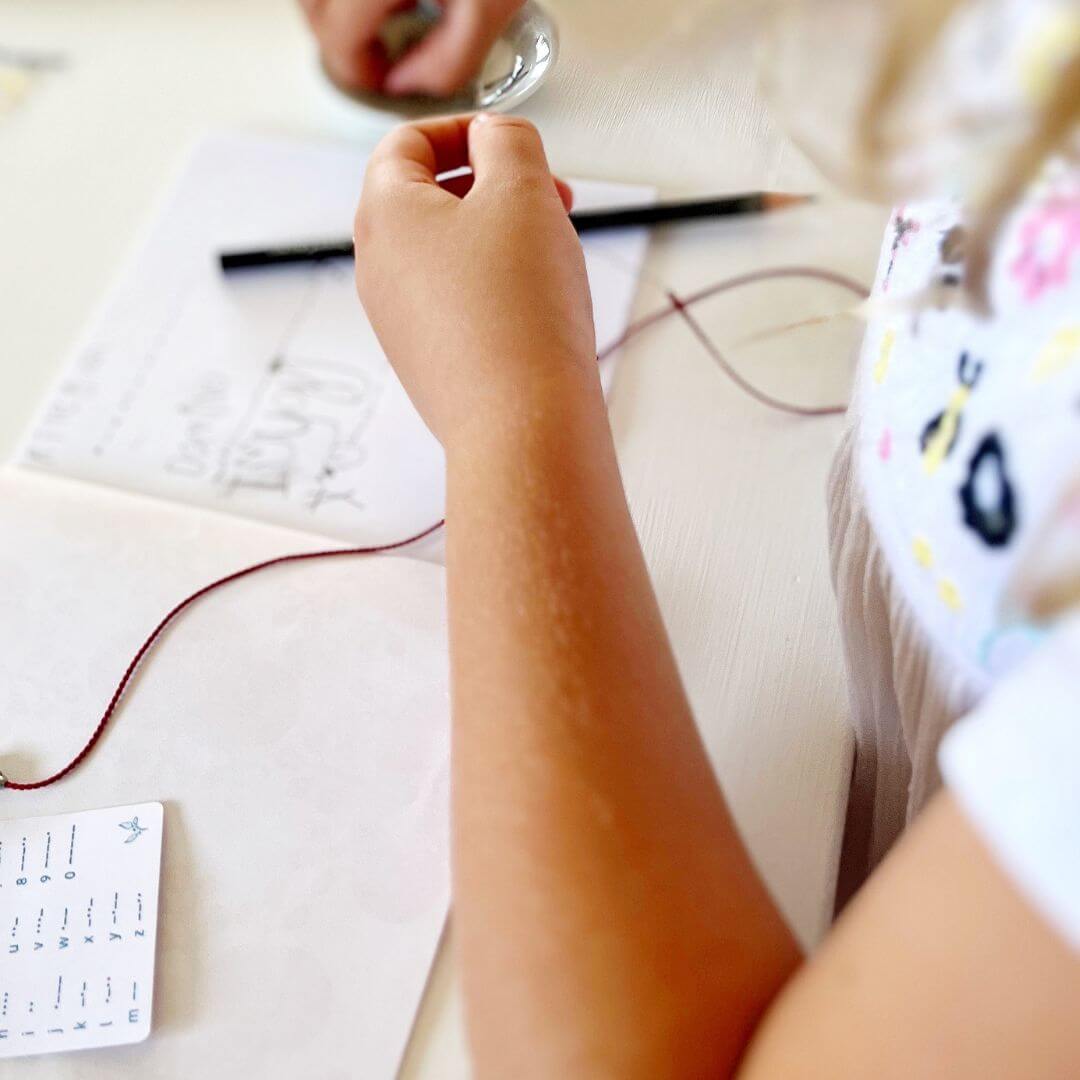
(481, 118)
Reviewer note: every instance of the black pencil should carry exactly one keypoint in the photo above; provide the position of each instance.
(584, 221)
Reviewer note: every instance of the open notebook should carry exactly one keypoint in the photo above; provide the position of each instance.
(295, 724)
(295, 729)
(266, 393)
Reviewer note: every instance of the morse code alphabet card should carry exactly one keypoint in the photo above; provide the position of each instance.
(78, 923)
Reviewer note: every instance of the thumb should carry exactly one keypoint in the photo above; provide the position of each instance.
(506, 148)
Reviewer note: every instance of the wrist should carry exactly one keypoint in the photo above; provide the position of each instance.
(525, 404)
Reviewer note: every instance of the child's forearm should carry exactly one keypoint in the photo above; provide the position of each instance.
(609, 920)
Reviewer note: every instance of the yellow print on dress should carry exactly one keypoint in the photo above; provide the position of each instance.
(1057, 354)
(940, 434)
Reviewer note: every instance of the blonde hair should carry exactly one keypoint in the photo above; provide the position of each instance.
(916, 26)
(884, 73)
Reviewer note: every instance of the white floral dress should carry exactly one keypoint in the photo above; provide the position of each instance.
(956, 482)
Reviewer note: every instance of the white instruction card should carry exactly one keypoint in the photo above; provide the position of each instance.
(78, 916)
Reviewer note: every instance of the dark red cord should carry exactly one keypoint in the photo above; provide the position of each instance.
(148, 644)
(680, 305)
(677, 305)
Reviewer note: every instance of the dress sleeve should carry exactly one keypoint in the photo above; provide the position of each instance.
(1013, 766)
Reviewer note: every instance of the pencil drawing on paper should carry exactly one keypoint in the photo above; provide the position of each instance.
(302, 433)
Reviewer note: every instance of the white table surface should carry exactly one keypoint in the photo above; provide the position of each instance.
(728, 497)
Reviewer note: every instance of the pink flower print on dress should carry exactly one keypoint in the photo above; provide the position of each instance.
(884, 446)
(1048, 240)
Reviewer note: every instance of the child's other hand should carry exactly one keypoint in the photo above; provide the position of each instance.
(477, 290)
(440, 65)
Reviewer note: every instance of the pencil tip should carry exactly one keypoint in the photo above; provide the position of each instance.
(779, 200)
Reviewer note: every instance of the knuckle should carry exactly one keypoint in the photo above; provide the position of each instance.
(527, 185)
(369, 212)
(396, 144)
(372, 185)
(389, 143)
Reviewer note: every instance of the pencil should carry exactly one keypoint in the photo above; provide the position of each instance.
(664, 213)
(761, 202)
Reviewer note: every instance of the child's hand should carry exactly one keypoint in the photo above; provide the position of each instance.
(478, 293)
(441, 64)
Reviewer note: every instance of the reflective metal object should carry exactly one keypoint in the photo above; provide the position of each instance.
(518, 64)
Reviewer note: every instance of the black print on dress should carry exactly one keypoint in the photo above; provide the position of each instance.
(946, 425)
(903, 229)
(952, 250)
(934, 426)
(986, 495)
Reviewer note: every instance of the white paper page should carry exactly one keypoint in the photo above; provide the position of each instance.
(266, 393)
(295, 725)
(79, 900)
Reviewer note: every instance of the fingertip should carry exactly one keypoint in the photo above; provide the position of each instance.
(509, 121)
(399, 82)
(443, 62)
(511, 133)
(501, 143)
